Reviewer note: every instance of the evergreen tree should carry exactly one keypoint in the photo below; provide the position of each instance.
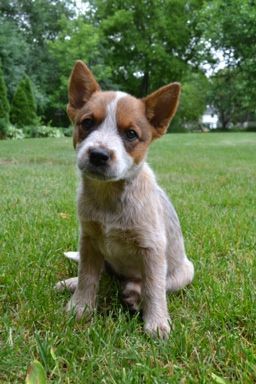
(23, 108)
(4, 106)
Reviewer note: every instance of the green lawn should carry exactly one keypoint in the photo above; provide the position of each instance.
(211, 179)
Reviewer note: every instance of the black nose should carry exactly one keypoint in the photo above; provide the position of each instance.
(99, 156)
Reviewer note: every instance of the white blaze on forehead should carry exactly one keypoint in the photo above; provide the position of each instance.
(112, 108)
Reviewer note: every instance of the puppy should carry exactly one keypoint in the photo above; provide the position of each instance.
(125, 218)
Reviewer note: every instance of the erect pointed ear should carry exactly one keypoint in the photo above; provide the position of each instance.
(161, 106)
(82, 85)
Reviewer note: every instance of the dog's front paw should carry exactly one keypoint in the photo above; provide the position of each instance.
(158, 328)
(79, 307)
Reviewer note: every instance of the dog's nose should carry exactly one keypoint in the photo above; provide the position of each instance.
(99, 156)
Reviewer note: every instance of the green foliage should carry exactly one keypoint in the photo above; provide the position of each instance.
(4, 107)
(133, 46)
(4, 103)
(23, 108)
(68, 132)
(27, 28)
(230, 27)
(4, 124)
(14, 133)
(77, 39)
(14, 53)
(224, 96)
(43, 131)
(192, 103)
(227, 94)
(143, 47)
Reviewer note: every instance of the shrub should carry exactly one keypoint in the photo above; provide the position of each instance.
(43, 131)
(14, 133)
(68, 131)
(23, 108)
(177, 128)
(251, 128)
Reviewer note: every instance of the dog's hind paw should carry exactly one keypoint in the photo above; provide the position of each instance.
(68, 284)
(131, 295)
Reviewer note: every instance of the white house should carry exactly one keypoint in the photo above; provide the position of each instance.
(210, 118)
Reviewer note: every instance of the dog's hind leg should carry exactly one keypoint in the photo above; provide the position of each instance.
(68, 284)
(131, 294)
(180, 276)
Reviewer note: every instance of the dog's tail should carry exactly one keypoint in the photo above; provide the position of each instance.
(72, 256)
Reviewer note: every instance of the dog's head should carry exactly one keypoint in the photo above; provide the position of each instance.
(113, 129)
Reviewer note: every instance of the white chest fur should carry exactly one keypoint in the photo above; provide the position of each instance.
(120, 250)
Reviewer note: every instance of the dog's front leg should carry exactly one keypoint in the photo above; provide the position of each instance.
(90, 267)
(155, 311)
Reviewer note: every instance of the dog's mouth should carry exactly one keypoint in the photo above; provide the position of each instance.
(102, 172)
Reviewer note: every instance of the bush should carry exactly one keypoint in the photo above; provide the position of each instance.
(43, 131)
(177, 128)
(68, 131)
(14, 133)
(251, 128)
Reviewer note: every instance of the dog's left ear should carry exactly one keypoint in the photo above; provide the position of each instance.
(161, 106)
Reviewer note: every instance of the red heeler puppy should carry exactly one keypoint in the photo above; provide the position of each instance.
(125, 218)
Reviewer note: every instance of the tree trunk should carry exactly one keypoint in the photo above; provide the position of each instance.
(144, 88)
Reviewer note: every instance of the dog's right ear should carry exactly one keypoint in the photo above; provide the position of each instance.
(82, 85)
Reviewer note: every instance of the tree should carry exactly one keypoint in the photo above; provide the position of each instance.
(23, 108)
(14, 53)
(77, 39)
(4, 106)
(192, 102)
(226, 95)
(133, 46)
(230, 27)
(147, 43)
(35, 23)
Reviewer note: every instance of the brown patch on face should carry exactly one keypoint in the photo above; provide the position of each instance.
(96, 110)
(130, 115)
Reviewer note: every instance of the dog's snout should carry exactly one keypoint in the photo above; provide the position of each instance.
(99, 156)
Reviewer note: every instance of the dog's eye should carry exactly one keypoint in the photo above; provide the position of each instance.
(87, 124)
(131, 135)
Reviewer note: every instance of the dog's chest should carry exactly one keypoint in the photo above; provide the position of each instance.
(119, 247)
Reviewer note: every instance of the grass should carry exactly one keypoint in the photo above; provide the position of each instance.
(211, 180)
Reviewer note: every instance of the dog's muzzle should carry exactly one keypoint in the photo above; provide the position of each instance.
(97, 163)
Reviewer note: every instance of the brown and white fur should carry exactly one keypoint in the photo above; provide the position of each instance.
(125, 218)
